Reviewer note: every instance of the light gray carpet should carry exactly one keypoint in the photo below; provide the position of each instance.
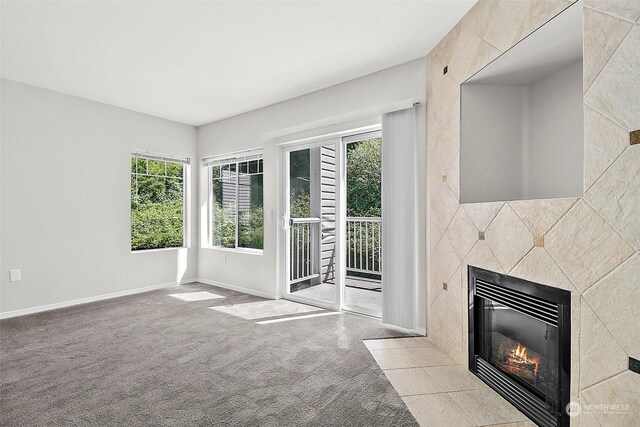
(151, 359)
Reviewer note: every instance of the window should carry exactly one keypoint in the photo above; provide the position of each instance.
(157, 202)
(236, 205)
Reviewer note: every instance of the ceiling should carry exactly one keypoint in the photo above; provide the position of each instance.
(198, 62)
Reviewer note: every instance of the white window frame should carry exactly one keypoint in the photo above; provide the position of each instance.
(231, 158)
(186, 162)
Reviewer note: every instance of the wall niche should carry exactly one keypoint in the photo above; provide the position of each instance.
(522, 118)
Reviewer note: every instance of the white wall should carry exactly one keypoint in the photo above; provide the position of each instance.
(556, 134)
(491, 134)
(257, 273)
(522, 142)
(65, 206)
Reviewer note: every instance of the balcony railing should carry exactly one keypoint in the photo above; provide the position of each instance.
(364, 245)
(304, 264)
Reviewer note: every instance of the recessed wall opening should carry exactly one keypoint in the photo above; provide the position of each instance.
(522, 120)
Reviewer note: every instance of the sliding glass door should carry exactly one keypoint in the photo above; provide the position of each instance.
(311, 222)
(362, 291)
(333, 223)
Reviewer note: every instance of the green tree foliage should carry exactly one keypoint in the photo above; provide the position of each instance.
(300, 205)
(224, 225)
(156, 204)
(251, 228)
(364, 178)
(299, 181)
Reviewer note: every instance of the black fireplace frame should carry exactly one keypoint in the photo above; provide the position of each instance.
(556, 296)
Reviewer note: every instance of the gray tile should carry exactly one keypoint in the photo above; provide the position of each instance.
(455, 378)
(384, 344)
(416, 342)
(487, 407)
(431, 356)
(435, 410)
(395, 358)
(412, 381)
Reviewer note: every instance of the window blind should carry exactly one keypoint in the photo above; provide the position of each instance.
(237, 157)
(161, 157)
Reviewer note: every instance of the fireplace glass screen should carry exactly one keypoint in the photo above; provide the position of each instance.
(522, 347)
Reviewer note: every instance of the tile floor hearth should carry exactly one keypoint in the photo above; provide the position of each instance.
(437, 390)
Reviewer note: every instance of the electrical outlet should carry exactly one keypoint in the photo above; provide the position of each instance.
(15, 275)
(224, 259)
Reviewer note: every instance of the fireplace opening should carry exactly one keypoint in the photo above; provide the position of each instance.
(519, 343)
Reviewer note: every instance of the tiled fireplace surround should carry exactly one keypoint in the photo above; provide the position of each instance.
(588, 245)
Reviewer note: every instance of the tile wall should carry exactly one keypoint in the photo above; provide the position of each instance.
(588, 245)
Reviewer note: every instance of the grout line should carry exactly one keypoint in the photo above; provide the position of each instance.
(595, 181)
(493, 8)
(518, 34)
(612, 119)
(613, 227)
(577, 199)
(585, 91)
(612, 336)
(609, 14)
(449, 224)
(496, 215)
(601, 381)
(633, 248)
(521, 259)
(463, 410)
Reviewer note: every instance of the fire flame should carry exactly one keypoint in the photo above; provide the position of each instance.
(517, 356)
(520, 354)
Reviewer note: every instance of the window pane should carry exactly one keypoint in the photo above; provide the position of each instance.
(142, 165)
(156, 208)
(299, 175)
(133, 165)
(174, 169)
(250, 212)
(253, 166)
(237, 207)
(243, 167)
(224, 212)
(156, 167)
(228, 174)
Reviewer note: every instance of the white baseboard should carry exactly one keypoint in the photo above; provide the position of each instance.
(41, 308)
(236, 288)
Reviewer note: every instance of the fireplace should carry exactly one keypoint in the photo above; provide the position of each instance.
(519, 343)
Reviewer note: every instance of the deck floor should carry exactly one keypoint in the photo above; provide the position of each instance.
(359, 292)
(361, 283)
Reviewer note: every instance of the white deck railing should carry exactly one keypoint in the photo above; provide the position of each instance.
(364, 245)
(304, 264)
